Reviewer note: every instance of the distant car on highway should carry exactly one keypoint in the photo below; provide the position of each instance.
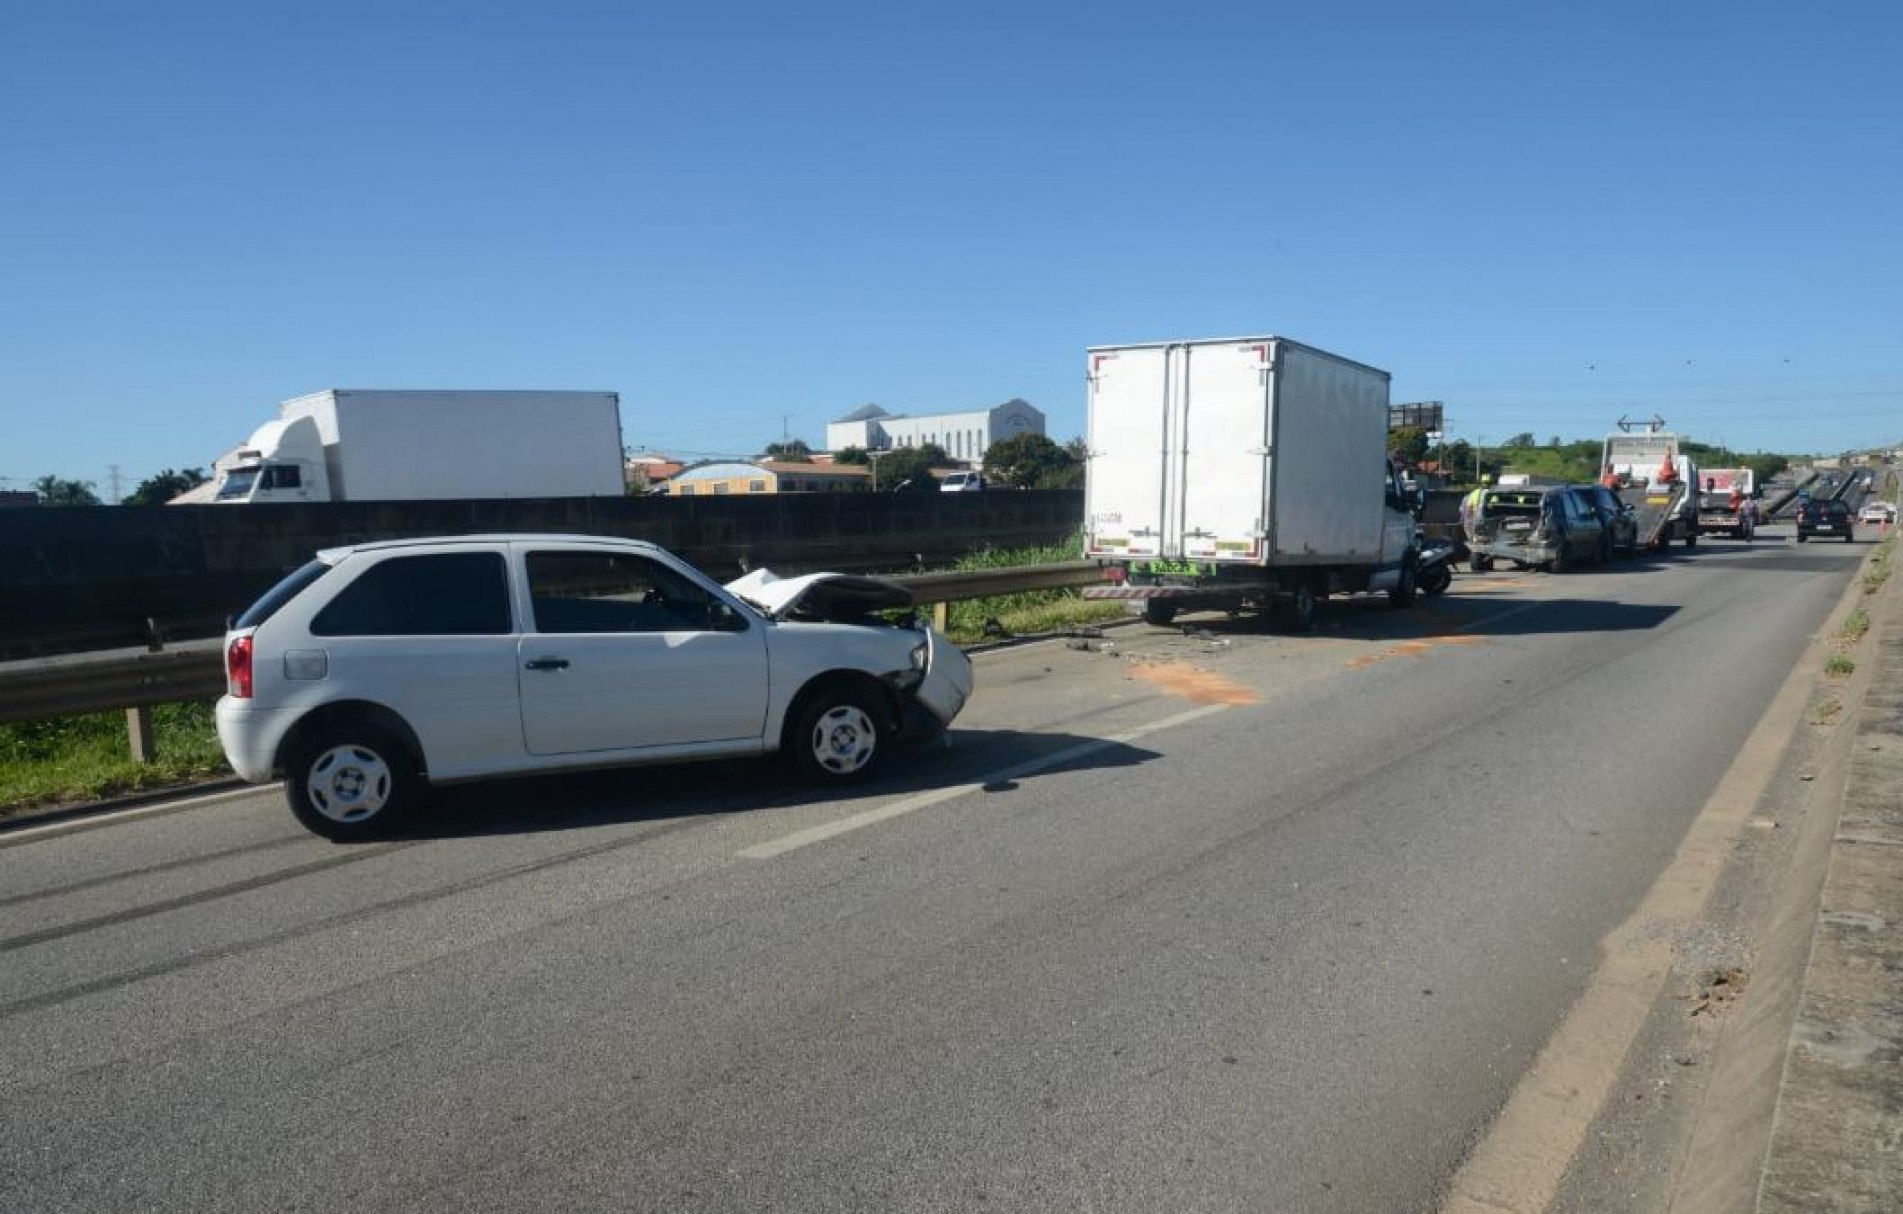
(1824, 516)
(1877, 513)
(377, 669)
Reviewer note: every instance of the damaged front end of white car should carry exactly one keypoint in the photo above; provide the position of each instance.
(936, 678)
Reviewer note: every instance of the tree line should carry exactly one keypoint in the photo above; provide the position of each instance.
(1556, 459)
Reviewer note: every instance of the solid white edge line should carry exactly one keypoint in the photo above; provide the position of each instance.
(27, 834)
(829, 830)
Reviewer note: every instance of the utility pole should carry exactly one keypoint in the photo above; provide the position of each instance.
(114, 480)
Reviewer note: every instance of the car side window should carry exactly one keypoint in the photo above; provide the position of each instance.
(444, 594)
(575, 592)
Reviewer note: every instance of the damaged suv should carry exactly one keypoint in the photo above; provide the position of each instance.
(378, 669)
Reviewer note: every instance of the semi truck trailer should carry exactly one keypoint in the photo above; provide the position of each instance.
(362, 445)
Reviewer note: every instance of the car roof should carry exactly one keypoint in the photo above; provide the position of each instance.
(331, 556)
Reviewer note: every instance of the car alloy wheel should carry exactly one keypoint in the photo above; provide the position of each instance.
(351, 781)
(348, 783)
(839, 734)
(844, 740)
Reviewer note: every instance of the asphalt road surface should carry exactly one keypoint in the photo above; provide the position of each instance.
(1208, 921)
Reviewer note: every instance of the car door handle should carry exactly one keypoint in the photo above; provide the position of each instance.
(547, 664)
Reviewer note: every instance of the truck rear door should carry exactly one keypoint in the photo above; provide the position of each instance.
(1129, 406)
(1223, 437)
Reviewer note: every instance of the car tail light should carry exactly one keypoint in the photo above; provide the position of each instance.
(238, 668)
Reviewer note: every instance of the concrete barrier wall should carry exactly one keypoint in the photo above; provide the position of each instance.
(90, 577)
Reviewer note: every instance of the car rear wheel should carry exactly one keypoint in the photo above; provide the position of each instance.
(1436, 578)
(1801, 537)
(839, 734)
(351, 781)
(1481, 563)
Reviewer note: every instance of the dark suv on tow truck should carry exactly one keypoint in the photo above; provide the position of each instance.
(1823, 516)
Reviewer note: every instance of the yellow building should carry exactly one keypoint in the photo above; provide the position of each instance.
(722, 479)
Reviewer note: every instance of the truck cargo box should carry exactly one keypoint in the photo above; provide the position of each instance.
(1237, 451)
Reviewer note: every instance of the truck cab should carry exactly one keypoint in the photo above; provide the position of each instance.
(283, 462)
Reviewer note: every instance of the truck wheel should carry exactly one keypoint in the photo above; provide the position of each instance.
(1159, 613)
(1295, 611)
(350, 781)
(1403, 593)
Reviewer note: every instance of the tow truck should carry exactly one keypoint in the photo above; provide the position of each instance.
(1653, 476)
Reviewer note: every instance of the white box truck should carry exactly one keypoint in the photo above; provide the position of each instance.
(364, 445)
(1246, 473)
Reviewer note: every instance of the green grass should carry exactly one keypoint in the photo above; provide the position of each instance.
(1855, 625)
(1879, 570)
(86, 758)
(1031, 611)
(1840, 666)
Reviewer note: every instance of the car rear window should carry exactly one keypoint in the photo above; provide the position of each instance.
(280, 594)
(442, 594)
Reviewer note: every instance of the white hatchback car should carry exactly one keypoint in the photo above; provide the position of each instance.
(1877, 513)
(381, 667)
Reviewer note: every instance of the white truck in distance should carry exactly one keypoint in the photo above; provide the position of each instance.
(1728, 502)
(1242, 473)
(355, 446)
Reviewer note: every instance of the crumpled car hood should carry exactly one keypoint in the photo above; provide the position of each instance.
(842, 597)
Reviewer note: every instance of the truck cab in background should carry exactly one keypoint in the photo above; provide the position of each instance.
(282, 462)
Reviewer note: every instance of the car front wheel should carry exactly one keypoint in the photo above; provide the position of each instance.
(349, 782)
(839, 735)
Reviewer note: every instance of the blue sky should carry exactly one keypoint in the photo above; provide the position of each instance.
(750, 219)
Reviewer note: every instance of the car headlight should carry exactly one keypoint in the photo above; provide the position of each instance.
(920, 652)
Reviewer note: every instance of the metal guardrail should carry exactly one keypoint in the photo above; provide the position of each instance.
(57, 687)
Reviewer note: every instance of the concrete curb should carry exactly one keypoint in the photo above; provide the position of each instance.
(1837, 1140)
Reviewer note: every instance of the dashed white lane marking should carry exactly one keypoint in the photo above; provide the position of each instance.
(831, 830)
